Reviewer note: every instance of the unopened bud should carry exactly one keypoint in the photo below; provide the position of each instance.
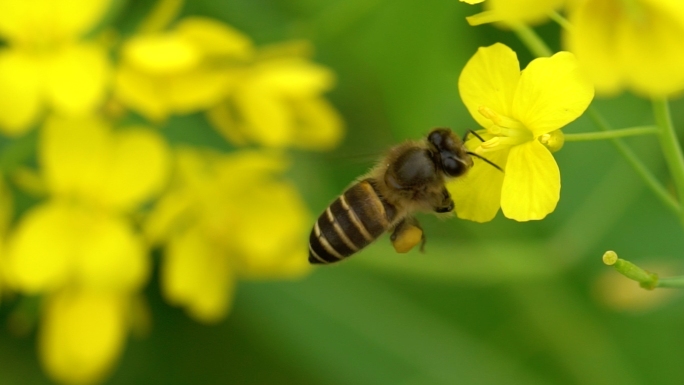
(553, 140)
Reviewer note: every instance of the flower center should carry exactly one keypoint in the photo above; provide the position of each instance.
(507, 132)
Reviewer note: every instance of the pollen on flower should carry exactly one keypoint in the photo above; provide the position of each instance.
(493, 116)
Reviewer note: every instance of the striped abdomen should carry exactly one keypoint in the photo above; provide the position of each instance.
(355, 219)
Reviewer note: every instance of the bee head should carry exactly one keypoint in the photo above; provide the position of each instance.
(449, 152)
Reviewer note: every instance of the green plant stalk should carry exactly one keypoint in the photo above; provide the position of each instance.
(670, 146)
(612, 134)
(530, 38)
(560, 20)
(638, 166)
(671, 282)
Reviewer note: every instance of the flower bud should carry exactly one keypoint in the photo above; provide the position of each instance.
(553, 140)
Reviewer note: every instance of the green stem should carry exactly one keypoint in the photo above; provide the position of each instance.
(670, 146)
(638, 166)
(620, 133)
(530, 38)
(671, 282)
(560, 20)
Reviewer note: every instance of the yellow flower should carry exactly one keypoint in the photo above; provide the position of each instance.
(80, 248)
(278, 103)
(520, 111)
(45, 63)
(184, 70)
(637, 45)
(525, 11)
(227, 217)
(82, 335)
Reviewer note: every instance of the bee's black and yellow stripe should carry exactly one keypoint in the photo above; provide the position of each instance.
(355, 219)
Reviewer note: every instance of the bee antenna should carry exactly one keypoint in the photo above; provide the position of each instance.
(485, 159)
(475, 134)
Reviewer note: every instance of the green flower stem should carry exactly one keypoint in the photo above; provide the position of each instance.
(612, 134)
(560, 20)
(671, 282)
(638, 166)
(670, 146)
(530, 38)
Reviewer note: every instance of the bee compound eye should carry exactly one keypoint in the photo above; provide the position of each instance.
(452, 166)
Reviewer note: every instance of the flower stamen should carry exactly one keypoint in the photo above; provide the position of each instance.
(508, 132)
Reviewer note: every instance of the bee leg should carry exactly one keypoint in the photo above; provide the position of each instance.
(447, 204)
(407, 234)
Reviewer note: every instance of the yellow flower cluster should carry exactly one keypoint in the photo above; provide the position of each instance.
(612, 45)
(621, 44)
(111, 191)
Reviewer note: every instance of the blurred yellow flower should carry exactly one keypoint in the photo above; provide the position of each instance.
(80, 248)
(82, 334)
(184, 70)
(637, 45)
(278, 102)
(618, 293)
(227, 217)
(520, 111)
(525, 11)
(46, 63)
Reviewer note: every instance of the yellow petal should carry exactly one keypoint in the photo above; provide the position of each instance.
(81, 336)
(477, 194)
(213, 37)
(293, 77)
(71, 155)
(472, 1)
(140, 92)
(489, 79)
(111, 256)
(169, 213)
(52, 20)
(196, 276)
(223, 120)
(138, 166)
(22, 92)
(639, 47)
(320, 125)
(282, 253)
(41, 249)
(59, 242)
(82, 157)
(485, 17)
(77, 79)
(552, 93)
(268, 120)
(195, 90)
(161, 54)
(531, 186)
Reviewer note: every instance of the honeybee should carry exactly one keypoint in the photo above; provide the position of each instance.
(410, 178)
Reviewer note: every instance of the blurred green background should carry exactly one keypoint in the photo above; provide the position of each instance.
(496, 303)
